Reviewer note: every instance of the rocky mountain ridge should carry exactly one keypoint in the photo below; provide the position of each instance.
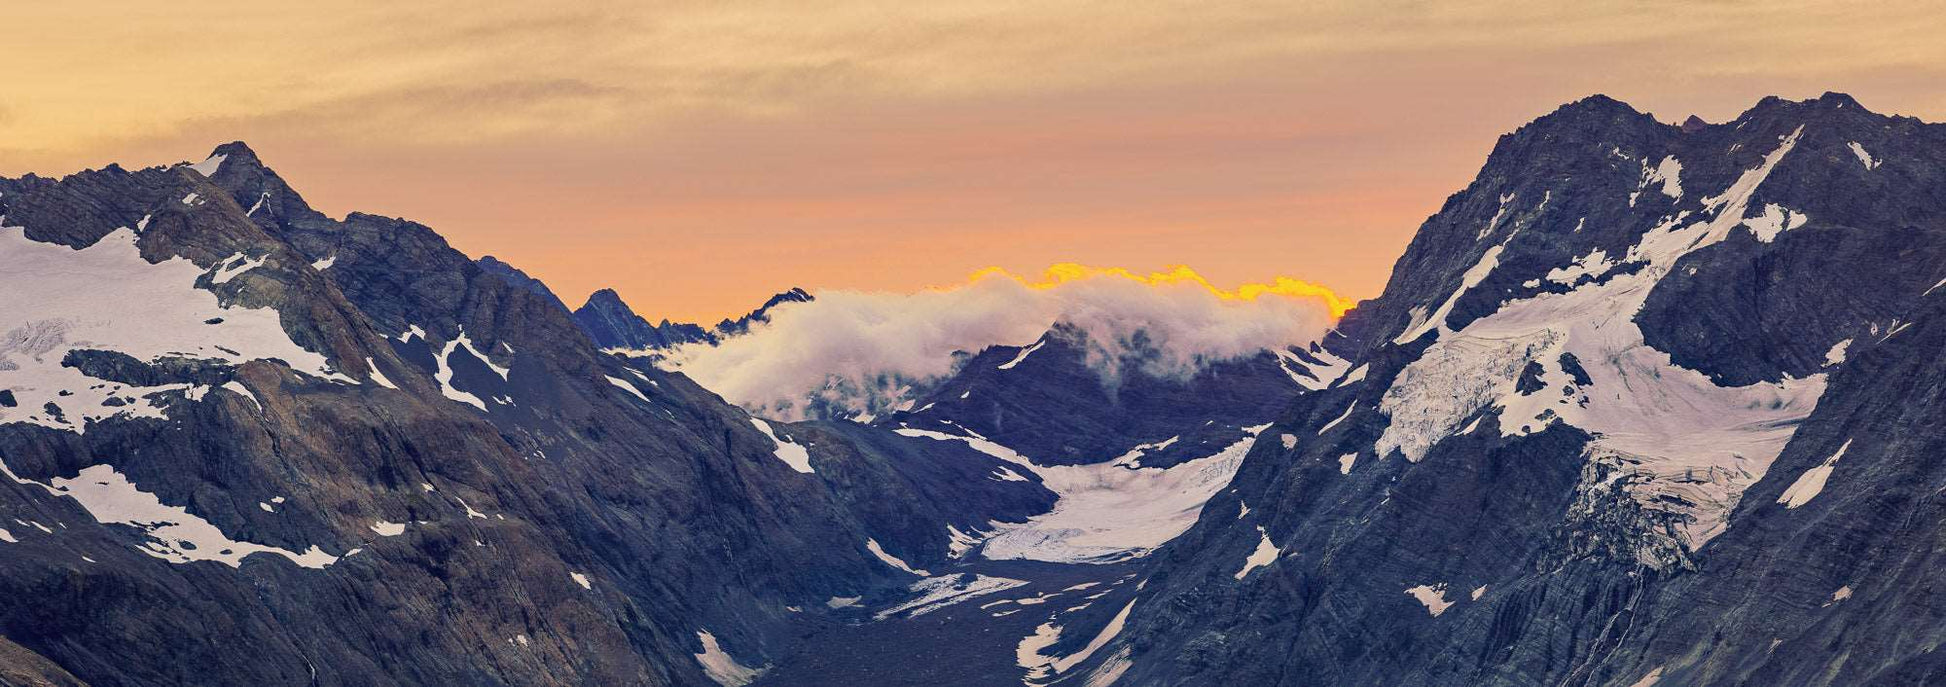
(351, 455)
(1641, 405)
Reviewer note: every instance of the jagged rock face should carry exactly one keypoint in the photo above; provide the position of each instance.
(344, 453)
(1638, 402)
(612, 325)
(761, 315)
(513, 275)
(1048, 401)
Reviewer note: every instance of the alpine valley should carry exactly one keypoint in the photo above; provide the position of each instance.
(1643, 404)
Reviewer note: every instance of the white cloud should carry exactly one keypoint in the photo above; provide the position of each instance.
(860, 351)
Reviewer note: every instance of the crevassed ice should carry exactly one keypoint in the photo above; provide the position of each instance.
(1674, 429)
(107, 297)
(1106, 512)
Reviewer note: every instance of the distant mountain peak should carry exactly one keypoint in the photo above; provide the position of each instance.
(606, 319)
(265, 196)
(742, 324)
(237, 151)
(613, 324)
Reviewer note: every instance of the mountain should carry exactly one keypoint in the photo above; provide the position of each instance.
(613, 325)
(247, 443)
(1046, 400)
(513, 275)
(741, 325)
(1642, 404)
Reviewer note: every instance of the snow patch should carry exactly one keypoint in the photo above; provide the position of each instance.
(1106, 513)
(1776, 219)
(239, 389)
(1433, 596)
(107, 297)
(892, 560)
(1594, 264)
(444, 375)
(463, 340)
(209, 165)
(1023, 355)
(625, 386)
(1650, 679)
(378, 378)
(234, 265)
(1437, 320)
(173, 533)
(939, 592)
(958, 543)
(1811, 483)
(719, 666)
(1864, 158)
(1265, 554)
(1341, 418)
(1312, 375)
(1134, 456)
(1041, 667)
(1836, 355)
(798, 457)
(1689, 446)
(1668, 173)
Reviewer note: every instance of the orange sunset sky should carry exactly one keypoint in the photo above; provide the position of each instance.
(699, 156)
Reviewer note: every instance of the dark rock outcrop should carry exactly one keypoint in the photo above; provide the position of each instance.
(1046, 400)
(514, 276)
(1637, 405)
(612, 325)
(468, 492)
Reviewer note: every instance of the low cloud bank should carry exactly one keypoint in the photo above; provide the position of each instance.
(855, 352)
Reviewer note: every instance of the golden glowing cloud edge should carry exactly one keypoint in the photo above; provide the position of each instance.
(1177, 275)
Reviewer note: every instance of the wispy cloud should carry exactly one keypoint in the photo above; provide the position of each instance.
(859, 350)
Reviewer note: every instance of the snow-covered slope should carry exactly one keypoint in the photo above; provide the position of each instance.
(242, 442)
(1593, 429)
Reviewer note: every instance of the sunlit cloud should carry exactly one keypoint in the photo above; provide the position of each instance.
(865, 352)
(1179, 275)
